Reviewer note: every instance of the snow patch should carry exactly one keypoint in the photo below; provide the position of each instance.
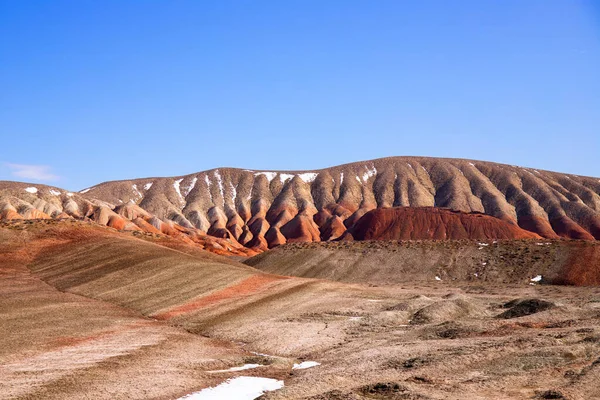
(285, 177)
(537, 278)
(240, 388)
(187, 189)
(342, 178)
(270, 175)
(54, 192)
(148, 186)
(410, 165)
(233, 369)
(308, 176)
(471, 164)
(32, 190)
(233, 192)
(70, 194)
(85, 190)
(135, 189)
(355, 318)
(437, 278)
(306, 364)
(370, 172)
(176, 186)
(220, 183)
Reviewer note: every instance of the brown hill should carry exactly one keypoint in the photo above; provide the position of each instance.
(400, 262)
(261, 208)
(22, 201)
(403, 223)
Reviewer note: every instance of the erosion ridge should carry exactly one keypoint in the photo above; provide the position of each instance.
(267, 208)
(264, 209)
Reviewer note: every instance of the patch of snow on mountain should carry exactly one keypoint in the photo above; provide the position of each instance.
(270, 175)
(70, 194)
(54, 192)
(285, 177)
(176, 186)
(31, 190)
(85, 190)
(341, 178)
(425, 169)
(471, 164)
(233, 192)
(537, 278)
(308, 176)
(187, 189)
(220, 183)
(137, 192)
(148, 186)
(370, 172)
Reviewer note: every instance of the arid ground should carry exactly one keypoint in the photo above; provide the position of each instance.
(88, 312)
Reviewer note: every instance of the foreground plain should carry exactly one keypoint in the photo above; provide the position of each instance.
(89, 312)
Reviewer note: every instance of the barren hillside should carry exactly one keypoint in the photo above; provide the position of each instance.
(267, 208)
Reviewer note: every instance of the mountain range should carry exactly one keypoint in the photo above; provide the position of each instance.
(245, 211)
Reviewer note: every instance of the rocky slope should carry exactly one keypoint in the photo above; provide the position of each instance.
(263, 209)
(21, 201)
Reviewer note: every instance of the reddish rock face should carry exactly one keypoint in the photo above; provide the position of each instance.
(406, 223)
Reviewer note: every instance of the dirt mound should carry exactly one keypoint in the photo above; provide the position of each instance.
(522, 307)
(409, 223)
(449, 309)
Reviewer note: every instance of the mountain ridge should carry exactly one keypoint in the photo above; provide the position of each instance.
(262, 209)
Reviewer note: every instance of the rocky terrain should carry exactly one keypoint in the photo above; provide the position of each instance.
(262, 209)
(91, 312)
(267, 208)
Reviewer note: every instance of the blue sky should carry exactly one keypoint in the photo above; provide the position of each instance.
(101, 90)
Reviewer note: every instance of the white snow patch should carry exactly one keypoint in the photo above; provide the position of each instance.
(306, 364)
(358, 179)
(220, 183)
(187, 189)
(437, 278)
(355, 318)
(471, 164)
(270, 175)
(483, 244)
(342, 178)
(240, 388)
(70, 194)
(135, 189)
(54, 192)
(410, 165)
(285, 177)
(85, 190)
(537, 278)
(370, 172)
(233, 369)
(536, 171)
(484, 264)
(233, 192)
(308, 176)
(148, 186)
(31, 190)
(425, 169)
(176, 186)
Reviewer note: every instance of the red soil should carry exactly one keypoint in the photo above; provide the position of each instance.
(406, 223)
(244, 288)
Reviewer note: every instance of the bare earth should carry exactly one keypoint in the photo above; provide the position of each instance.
(91, 313)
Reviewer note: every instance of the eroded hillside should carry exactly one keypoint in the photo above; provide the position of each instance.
(266, 208)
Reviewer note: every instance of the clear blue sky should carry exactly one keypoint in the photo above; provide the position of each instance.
(100, 90)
